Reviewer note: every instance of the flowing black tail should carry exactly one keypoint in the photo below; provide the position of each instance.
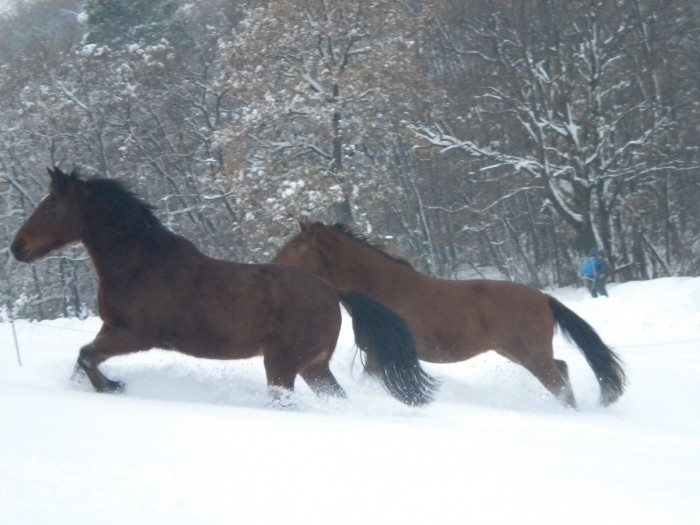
(390, 348)
(606, 365)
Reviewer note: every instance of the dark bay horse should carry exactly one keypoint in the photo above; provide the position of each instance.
(157, 290)
(456, 320)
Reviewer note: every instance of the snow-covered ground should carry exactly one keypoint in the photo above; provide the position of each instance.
(193, 441)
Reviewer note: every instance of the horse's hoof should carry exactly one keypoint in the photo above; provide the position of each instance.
(118, 387)
(114, 387)
(281, 398)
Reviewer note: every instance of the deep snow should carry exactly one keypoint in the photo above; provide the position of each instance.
(193, 441)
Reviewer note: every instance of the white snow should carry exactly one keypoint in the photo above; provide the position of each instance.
(194, 442)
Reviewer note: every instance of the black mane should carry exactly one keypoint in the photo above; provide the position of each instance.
(351, 232)
(127, 213)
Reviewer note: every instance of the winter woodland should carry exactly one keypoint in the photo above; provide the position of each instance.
(477, 137)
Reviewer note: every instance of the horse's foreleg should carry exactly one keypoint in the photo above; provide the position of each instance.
(100, 382)
(281, 370)
(108, 343)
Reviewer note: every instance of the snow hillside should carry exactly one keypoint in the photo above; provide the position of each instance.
(193, 441)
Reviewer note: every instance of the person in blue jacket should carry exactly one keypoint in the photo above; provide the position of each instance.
(595, 270)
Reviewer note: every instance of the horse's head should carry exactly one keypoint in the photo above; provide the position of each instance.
(57, 221)
(303, 250)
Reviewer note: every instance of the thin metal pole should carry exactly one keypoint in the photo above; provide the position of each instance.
(14, 333)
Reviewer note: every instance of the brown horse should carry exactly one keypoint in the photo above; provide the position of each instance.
(456, 320)
(157, 290)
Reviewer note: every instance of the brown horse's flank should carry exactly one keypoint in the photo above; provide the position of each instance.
(456, 320)
(157, 290)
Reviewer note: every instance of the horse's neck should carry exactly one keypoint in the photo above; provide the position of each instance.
(367, 270)
(111, 259)
(117, 257)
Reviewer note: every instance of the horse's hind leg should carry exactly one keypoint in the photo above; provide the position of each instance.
(554, 375)
(567, 397)
(320, 379)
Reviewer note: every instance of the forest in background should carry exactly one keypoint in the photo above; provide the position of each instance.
(477, 137)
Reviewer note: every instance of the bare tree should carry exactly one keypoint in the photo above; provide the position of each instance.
(571, 111)
(481, 137)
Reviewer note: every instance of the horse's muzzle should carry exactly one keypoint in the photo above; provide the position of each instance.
(19, 251)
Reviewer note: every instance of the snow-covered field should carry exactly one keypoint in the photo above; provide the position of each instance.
(193, 441)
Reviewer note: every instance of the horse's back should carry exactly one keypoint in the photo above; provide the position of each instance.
(456, 320)
(504, 304)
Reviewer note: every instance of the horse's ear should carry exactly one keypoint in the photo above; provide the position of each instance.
(55, 174)
(304, 224)
(59, 180)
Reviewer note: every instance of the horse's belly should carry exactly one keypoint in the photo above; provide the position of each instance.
(213, 345)
(433, 350)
